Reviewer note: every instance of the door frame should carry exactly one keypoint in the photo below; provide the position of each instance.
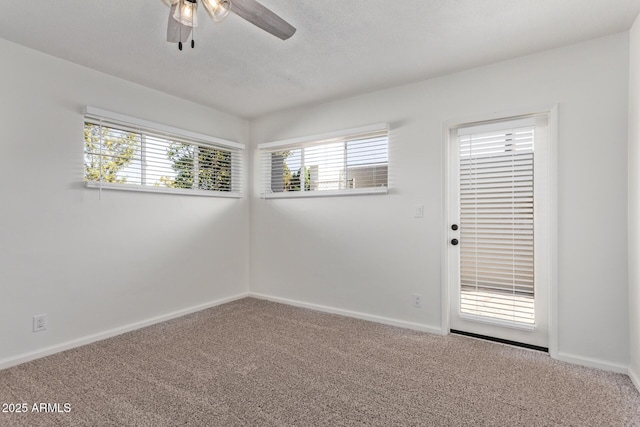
(552, 252)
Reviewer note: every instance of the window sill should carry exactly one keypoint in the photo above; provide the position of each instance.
(328, 193)
(163, 190)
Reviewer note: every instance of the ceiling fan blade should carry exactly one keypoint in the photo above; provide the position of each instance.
(176, 32)
(263, 18)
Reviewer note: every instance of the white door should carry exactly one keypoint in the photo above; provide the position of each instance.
(499, 230)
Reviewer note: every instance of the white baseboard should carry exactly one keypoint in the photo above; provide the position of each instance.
(349, 313)
(592, 363)
(26, 357)
(635, 379)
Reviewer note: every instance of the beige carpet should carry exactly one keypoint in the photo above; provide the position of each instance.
(258, 363)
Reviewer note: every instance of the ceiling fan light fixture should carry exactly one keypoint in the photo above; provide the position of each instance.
(186, 13)
(210, 5)
(219, 9)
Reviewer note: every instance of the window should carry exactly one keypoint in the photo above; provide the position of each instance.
(131, 154)
(341, 163)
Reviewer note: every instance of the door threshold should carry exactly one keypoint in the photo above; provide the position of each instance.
(501, 341)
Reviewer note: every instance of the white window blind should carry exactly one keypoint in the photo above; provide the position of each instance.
(496, 221)
(354, 161)
(126, 153)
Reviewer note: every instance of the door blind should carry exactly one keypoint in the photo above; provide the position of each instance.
(496, 223)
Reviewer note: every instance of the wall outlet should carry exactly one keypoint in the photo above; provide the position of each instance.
(417, 300)
(39, 323)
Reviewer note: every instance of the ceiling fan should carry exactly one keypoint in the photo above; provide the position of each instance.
(183, 17)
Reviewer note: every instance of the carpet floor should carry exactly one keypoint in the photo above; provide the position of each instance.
(258, 363)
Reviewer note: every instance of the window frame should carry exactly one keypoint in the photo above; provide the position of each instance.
(93, 115)
(268, 148)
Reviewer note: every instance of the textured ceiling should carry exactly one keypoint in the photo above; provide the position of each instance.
(342, 47)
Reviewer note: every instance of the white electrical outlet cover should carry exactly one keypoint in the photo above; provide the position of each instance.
(39, 323)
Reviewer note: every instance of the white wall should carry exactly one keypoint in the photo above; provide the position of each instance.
(94, 265)
(381, 255)
(634, 201)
